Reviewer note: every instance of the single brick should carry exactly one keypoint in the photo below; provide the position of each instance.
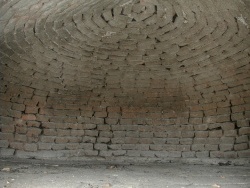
(89, 126)
(132, 153)
(33, 124)
(44, 146)
(172, 140)
(200, 140)
(227, 126)
(201, 127)
(107, 153)
(47, 139)
(119, 152)
(145, 140)
(168, 147)
(62, 132)
(128, 146)
(211, 147)
(244, 131)
(117, 127)
(58, 146)
(230, 154)
(198, 147)
(72, 146)
(159, 140)
(20, 137)
(242, 146)
(242, 139)
(107, 134)
(28, 117)
(101, 146)
(77, 132)
(103, 127)
(86, 146)
(115, 146)
(188, 154)
(216, 154)
(174, 154)
(243, 123)
(160, 134)
(201, 134)
(147, 153)
(30, 147)
(88, 139)
(131, 140)
(17, 145)
(4, 144)
(230, 133)
(156, 147)
(142, 147)
(215, 134)
(186, 141)
(61, 140)
(6, 152)
(33, 132)
(119, 133)
(132, 134)
(183, 147)
(7, 128)
(244, 154)
(227, 140)
(202, 154)
(91, 132)
(174, 134)
(103, 140)
(187, 134)
(91, 152)
(226, 147)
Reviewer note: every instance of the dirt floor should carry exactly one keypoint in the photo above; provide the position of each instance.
(35, 173)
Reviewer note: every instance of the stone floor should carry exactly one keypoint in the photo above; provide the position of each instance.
(35, 173)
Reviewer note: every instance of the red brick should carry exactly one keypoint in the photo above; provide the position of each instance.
(33, 123)
(31, 110)
(33, 132)
(28, 117)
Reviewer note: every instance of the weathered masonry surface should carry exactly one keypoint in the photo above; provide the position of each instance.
(148, 79)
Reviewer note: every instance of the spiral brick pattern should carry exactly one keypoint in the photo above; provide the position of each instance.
(154, 79)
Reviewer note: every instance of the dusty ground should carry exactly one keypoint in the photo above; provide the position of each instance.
(37, 174)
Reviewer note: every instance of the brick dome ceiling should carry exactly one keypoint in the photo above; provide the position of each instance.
(83, 45)
(148, 79)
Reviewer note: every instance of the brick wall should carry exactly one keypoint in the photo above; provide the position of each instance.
(134, 79)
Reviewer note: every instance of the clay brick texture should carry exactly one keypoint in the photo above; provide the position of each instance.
(137, 79)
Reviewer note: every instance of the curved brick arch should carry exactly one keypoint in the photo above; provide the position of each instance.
(155, 79)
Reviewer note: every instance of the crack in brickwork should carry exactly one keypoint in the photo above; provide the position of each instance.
(155, 79)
